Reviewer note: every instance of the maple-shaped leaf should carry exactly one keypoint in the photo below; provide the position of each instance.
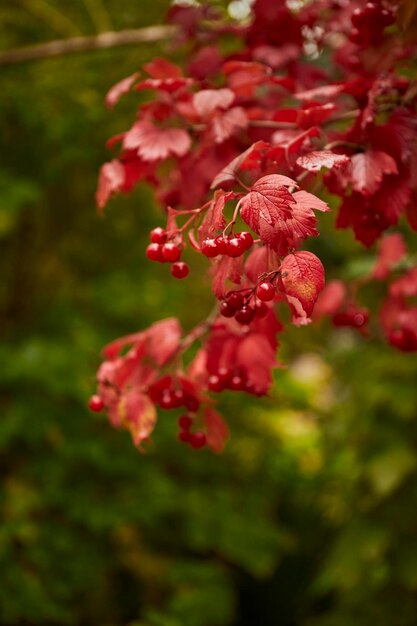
(392, 249)
(302, 276)
(330, 299)
(281, 219)
(368, 169)
(213, 220)
(216, 429)
(252, 155)
(153, 143)
(226, 124)
(137, 414)
(268, 201)
(111, 180)
(207, 101)
(314, 161)
(224, 269)
(119, 89)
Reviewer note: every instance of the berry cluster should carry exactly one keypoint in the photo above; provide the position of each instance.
(233, 380)
(369, 23)
(233, 245)
(353, 316)
(196, 440)
(164, 251)
(238, 304)
(168, 396)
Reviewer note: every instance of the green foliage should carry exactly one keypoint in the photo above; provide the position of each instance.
(307, 519)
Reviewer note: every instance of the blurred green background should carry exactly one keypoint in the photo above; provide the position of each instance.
(309, 516)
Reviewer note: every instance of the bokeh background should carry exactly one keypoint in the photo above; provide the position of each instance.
(309, 517)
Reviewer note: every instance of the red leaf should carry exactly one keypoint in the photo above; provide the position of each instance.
(290, 141)
(268, 200)
(302, 276)
(324, 91)
(330, 299)
(213, 219)
(216, 429)
(137, 414)
(392, 249)
(163, 339)
(306, 200)
(207, 101)
(280, 218)
(111, 180)
(256, 355)
(154, 143)
(406, 285)
(228, 174)
(314, 161)
(164, 84)
(368, 169)
(119, 89)
(259, 261)
(226, 124)
(161, 68)
(223, 269)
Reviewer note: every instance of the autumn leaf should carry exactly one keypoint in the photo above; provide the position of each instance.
(391, 250)
(216, 429)
(252, 155)
(119, 89)
(302, 276)
(153, 143)
(314, 161)
(368, 169)
(111, 180)
(207, 101)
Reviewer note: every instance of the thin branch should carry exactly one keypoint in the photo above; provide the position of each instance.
(73, 45)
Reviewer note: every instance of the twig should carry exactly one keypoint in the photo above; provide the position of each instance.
(73, 45)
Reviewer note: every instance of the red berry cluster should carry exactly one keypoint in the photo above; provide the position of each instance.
(196, 440)
(234, 380)
(164, 251)
(170, 396)
(369, 23)
(238, 304)
(233, 245)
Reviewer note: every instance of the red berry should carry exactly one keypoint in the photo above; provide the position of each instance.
(222, 243)
(178, 398)
(180, 269)
(158, 235)
(235, 247)
(96, 404)
(237, 383)
(185, 436)
(154, 252)
(246, 238)
(167, 400)
(198, 440)
(226, 310)
(261, 310)
(245, 315)
(235, 300)
(224, 374)
(185, 422)
(170, 252)
(191, 403)
(265, 291)
(357, 17)
(214, 383)
(209, 248)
